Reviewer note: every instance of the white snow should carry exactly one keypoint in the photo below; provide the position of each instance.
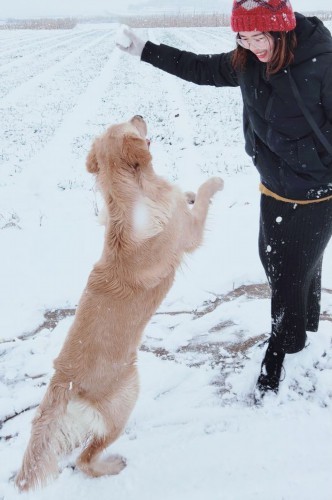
(121, 38)
(194, 433)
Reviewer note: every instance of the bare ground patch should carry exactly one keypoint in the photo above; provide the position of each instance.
(227, 356)
(252, 292)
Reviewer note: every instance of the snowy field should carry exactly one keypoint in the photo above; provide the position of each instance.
(195, 432)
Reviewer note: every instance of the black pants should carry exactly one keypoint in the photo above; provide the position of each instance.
(292, 240)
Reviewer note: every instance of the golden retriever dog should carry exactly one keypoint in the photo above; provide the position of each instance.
(149, 227)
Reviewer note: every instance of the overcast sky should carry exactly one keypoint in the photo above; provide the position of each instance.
(36, 8)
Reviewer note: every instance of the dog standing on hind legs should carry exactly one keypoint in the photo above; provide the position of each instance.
(149, 227)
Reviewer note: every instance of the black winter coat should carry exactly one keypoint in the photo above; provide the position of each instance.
(290, 159)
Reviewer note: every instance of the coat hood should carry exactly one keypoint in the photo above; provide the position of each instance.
(313, 38)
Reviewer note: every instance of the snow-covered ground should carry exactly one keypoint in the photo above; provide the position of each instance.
(195, 432)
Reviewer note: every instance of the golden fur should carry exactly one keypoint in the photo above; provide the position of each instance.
(149, 227)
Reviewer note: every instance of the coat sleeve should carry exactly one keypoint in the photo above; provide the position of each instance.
(326, 93)
(205, 69)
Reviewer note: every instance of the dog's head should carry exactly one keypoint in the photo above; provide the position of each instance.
(123, 149)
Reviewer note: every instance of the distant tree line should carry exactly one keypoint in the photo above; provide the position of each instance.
(324, 16)
(165, 20)
(193, 20)
(39, 24)
(176, 20)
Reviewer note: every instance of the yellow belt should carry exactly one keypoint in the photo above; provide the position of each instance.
(267, 192)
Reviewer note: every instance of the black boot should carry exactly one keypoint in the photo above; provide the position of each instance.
(271, 367)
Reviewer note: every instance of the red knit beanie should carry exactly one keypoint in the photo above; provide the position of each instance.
(260, 15)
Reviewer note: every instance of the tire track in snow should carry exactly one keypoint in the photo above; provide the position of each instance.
(11, 40)
(42, 70)
(23, 47)
(48, 97)
(75, 122)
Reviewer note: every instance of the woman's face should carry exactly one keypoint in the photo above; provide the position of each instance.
(261, 44)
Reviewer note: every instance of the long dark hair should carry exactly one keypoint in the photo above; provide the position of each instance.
(283, 53)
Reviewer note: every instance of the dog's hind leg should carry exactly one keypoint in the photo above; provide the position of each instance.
(115, 417)
(90, 463)
(40, 459)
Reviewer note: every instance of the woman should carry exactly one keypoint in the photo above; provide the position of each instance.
(283, 65)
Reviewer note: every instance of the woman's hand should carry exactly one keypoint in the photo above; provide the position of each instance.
(130, 43)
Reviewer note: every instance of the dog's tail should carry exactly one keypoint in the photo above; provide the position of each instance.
(48, 440)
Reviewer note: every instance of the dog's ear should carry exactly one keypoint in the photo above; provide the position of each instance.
(91, 161)
(135, 152)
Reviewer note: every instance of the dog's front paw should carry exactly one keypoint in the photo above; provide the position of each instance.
(212, 186)
(216, 184)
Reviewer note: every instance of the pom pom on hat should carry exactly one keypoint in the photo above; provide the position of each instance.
(262, 15)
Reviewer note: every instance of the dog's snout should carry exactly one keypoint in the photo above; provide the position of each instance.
(139, 122)
(137, 117)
